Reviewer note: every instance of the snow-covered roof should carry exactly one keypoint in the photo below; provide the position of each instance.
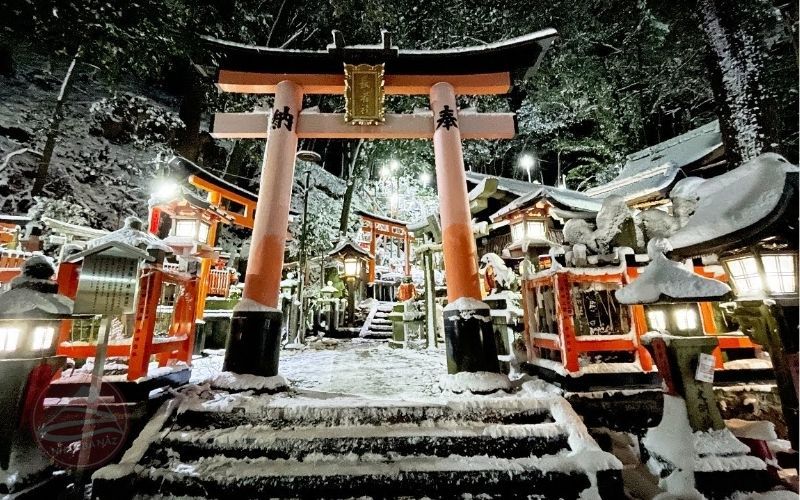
(26, 303)
(513, 186)
(654, 169)
(664, 280)
(14, 219)
(382, 218)
(187, 168)
(131, 234)
(110, 248)
(566, 199)
(73, 229)
(741, 204)
(347, 245)
(521, 53)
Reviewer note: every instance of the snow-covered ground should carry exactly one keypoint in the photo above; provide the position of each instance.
(364, 368)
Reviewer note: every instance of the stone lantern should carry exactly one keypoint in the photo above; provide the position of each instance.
(353, 260)
(680, 447)
(328, 309)
(30, 315)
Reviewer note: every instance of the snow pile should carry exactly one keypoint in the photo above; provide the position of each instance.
(503, 275)
(245, 382)
(673, 445)
(737, 200)
(475, 382)
(673, 441)
(746, 429)
(718, 442)
(250, 305)
(665, 280)
(134, 454)
(748, 364)
(539, 388)
(468, 308)
(131, 234)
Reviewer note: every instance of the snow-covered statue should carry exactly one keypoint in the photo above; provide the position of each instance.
(497, 275)
(616, 226)
(684, 198)
(657, 224)
(580, 232)
(660, 224)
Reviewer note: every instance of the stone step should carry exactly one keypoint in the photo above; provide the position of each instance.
(282, 413)
(380, 328)
(377, 335)
(502, 441)
(305, 445)
(380, 321)
(336, 476)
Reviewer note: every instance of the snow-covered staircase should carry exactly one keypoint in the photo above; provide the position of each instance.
(284, 446)
(378, 325)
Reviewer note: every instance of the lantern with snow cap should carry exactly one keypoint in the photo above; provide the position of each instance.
(352, 259)
(30, 313)
(748, 218)
(670, 293)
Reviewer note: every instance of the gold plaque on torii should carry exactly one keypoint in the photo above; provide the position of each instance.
(363, 94)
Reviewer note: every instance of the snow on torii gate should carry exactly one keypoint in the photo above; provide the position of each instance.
(364, 74)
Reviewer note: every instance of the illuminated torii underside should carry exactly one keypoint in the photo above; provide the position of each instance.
(354, 71)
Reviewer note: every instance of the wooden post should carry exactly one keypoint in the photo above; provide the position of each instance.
(67, 279)
(569, 347)
(407, 246)
(372, 250)
(142, 341)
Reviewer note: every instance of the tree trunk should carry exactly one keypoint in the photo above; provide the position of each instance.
(236, 161)
(52, 131)
(6, 61)
(191, 111)
(355, 174)
(736, 59)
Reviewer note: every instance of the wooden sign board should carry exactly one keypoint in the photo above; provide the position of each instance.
(107, 285)
(363, 94)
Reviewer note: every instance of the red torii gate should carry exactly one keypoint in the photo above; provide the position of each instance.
(375, 226)
(253, 344)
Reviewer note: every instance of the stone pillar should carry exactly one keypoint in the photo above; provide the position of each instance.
(767, 325)
(430, 297)
(254, 340)
(468, 329)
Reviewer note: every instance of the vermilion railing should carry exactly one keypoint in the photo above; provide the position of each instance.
(144, 345)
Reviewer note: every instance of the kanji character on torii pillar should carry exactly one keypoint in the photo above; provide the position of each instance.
(254, 341)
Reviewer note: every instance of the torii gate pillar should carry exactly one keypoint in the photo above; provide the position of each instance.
(254, 342)
(467, 322)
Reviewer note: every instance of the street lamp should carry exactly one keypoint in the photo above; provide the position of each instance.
(165, 189)
(425, 178)
(313, 157)
(527, 161)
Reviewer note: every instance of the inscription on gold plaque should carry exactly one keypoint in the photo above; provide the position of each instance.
(363, 94)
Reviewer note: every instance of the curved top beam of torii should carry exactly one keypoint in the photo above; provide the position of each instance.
(482, 69)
